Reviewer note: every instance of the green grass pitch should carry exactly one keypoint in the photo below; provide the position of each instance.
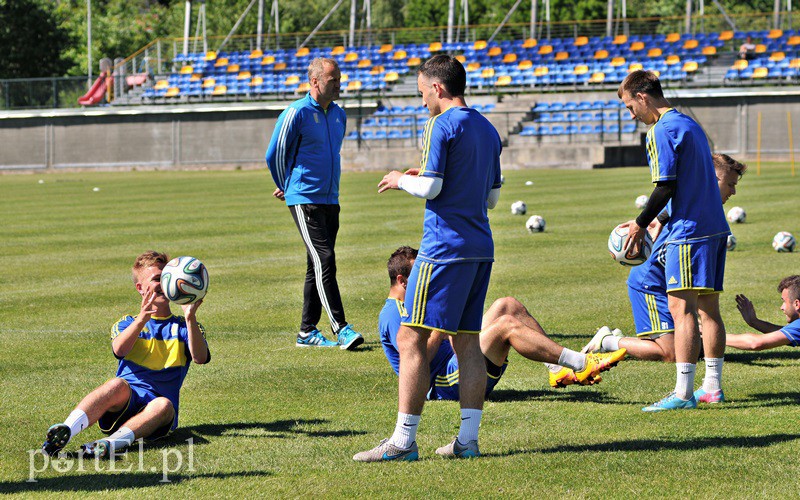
(268, 419)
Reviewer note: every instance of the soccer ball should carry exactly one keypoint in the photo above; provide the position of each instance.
(616, 242)
(184, 280)
(737, 215)
(519, 208)
(502, 179)
(784, 242)
(535, 224)
(731, 244)
(641, 201)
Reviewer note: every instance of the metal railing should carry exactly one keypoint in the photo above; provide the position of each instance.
(42, 93)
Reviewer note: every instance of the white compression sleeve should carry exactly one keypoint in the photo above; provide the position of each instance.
(494, 197)
(421, 187)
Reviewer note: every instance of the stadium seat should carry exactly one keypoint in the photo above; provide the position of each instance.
(654, 52)
(280, 66)
(601, 54)
(509, 58)
(598, 77)
(172, 92)
(377, 70)
(691, 44)
(635, 67)
(210, 55)
(220, 90)
(232, 68)
(161, 85)
(777, 56)
(690, 66)
(387, 47)
(391, 76)
(581, 41)
(545, 49)
(494, 52)
(637, 46)
(267, 60)
(561, 56)
(620, 40)
(413, 61)
(793, 40)
(774, 34)
(503, 81)
(435, 47)
(302, 52)
(479, 45)
(187, 70)
(525, 65)
(617, 61)
(761, 72)
(529, 43)
(672, 38)
(580, 69)
(724, 36)
(222, 61)
(709, 51)
(672, 60)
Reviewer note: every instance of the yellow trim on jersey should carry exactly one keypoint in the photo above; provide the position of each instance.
(655, 332)
(471, 332)
(711, 292)
(428, 327)
(426, 143)
(685, 254)
(401, 307)
(702, 289)
(652, 309)
(157, 354)
(652, 151)
(700, 238)
(121, 412)
(448, 380)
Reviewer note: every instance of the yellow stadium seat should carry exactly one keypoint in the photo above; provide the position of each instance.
(210, 55)
(494, 52)
(344, 77)
(509, 58)
(740, 64)
(709, 51)
(479, 45)
(601, 54)
(292, 80)
(303, 87)
(461, 58)
(354, 85)
(187, 70)
(773, 34)
(268, 60)
(598, 77)
(673, 37)
(222, 61)
(302, 52)
(637, 46)
(761, 72)
(351, 57)
(793, 40)
(690, 44)
(545, 49)
(529, 43)
(256, 81)
(338, 50)
(777, 57)
(386, 47)
(161, 85)
(794, 63)
(761, 48)
(435, 47)
(724, 36)
(244, 75)
(526, 64)
(690, 66)
(618, 61)
(580, 69)
(364, 63)
(503, 81)
(255, 54)
(634, 67)
(233, 68)
(655, 72)
(208, 83)
(391, 76)
(672, 60)
(541, 71)
(620, 39)
(654, 52)
(413, 61)
(196, 77)
(279, 66)
(173, 92)
(377, 70)
(561, 56)
(399, 55)
(581, 41)
(487, 73)
(220, 90)
(473, 66)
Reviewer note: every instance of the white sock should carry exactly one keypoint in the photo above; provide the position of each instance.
(470, 421)
(553, 368)
(684, 386)
(572, 359)
(76, 421)
(405, 430)
(121, 439)
(713, 379)
(610, 343)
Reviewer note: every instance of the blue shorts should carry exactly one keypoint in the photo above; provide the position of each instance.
(650, 313)
(447, 297)
(445, 383)
(696, 265)
(140, 397)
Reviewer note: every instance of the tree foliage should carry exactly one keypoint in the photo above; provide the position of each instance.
(32, 40)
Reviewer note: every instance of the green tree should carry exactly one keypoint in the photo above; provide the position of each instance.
(31, 40)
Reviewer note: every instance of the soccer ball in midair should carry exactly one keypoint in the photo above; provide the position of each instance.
(535, 224)
(184, 280)
(616, 243)
(519, 208)
(737, 215)
(641, 201)
(731, 244)
(784, 242)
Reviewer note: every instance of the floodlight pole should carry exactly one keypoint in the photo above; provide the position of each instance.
(236, 26)
(776, 15)
(547, 16)
(504, 21)
(89, 42)
(687, 27)
(187, 20)
(352, 22)
(451, 16)
(609, 16)
(724, 14)
(260, 26)
(533, 17)
(275, 13)
(321, 24)
(625, 27)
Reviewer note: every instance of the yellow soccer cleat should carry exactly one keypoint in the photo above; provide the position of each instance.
(566, 376)
(599, 362)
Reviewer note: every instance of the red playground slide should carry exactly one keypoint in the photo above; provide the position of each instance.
(96, 93)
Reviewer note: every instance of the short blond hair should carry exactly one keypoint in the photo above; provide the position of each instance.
(317, 66)
(149, 258)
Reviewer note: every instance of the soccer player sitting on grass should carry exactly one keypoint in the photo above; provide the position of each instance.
(154, 350)
(507, 324)
(773, 335)
(647, 290)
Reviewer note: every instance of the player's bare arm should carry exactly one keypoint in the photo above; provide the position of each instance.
(123, 343)
(197, 344)
(756, 341)
(748, 312)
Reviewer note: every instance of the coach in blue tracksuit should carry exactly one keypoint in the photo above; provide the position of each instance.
(303, 157)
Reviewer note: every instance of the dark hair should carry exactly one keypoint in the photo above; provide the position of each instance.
(792, 283)
(725, 164)
(446, 70)
(641, 81)
(400, 263)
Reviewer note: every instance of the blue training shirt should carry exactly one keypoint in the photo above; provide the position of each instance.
(463, 148)
(389, 323)
(677, 149)
(160, 357)
(792, 332)
(304, 153)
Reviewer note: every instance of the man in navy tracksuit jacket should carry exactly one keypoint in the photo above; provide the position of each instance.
(303, 157)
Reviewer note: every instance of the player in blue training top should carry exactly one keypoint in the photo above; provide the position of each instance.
(774, 335)
(696, 234)
(154, 350)
(506, 325)
(459, 175)
(647, 290)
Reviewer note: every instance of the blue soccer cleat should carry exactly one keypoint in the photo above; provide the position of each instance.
(314, 339)
(57, 438)
(386, 451)
(349, 338)
(457, 450)
(672, 402)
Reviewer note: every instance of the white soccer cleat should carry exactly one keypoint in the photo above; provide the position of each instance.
(596, 344)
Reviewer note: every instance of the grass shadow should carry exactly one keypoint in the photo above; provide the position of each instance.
(277, 429)
(768, 399)
(510, 395)
(760, 358)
